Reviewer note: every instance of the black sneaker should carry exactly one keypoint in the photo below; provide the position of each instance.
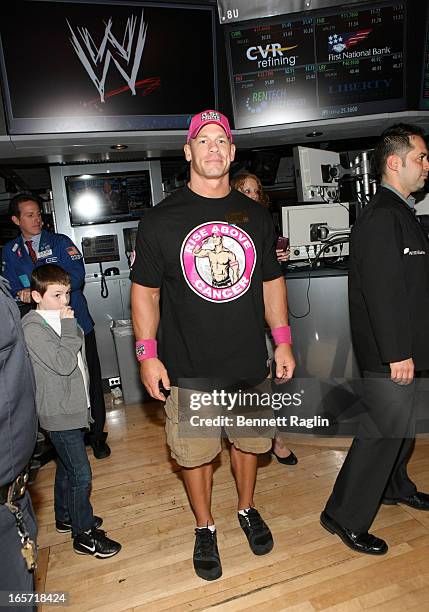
(206, 555)
(100, 448)
(95, 542)
(65, 526)
(257, 532)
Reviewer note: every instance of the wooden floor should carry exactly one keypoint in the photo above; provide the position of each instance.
(139, 493)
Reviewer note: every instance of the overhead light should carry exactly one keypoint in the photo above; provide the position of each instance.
(313, 134)
(119, 147)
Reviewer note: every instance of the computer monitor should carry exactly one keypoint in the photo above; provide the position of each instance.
(97, 67)
(108, 198)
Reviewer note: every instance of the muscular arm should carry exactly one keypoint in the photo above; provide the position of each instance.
(145, 317)
(234, 267)
(275, 303)
(199, 252)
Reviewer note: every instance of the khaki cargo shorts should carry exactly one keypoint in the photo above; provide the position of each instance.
(194, 451)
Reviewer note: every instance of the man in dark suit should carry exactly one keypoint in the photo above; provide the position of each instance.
(389, 315)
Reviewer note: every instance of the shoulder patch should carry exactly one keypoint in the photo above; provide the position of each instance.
(72, 250)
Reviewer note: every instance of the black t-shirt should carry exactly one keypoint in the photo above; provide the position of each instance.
(210, 257)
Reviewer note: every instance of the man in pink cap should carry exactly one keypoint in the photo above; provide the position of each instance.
(212, 332)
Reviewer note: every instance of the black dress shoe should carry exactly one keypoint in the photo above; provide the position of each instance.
(100, 449)
(362, 542)
(291, 459)
(418, 500)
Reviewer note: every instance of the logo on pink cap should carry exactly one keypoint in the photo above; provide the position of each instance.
(209, 116)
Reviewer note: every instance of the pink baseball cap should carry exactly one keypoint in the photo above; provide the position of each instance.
(209, 116)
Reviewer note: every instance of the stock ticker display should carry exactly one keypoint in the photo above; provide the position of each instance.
(319, 66)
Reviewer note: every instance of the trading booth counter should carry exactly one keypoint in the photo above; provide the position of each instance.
(319, 317)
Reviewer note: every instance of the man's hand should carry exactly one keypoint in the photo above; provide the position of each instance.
(285, 361)
(152, 372)
(402, 372)
(24, 295)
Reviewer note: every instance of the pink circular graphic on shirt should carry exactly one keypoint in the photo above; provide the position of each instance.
(218, 260)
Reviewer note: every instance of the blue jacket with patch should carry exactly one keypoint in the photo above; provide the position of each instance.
(56, 249)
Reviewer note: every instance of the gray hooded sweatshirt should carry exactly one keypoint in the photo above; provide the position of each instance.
(61, 399)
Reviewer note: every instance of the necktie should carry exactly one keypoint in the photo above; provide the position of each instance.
(31, 251)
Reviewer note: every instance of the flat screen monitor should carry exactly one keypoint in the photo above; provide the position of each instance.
(108, 198)
(113, 66)
(319, 65)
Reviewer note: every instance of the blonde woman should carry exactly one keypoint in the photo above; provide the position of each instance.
(251, 186)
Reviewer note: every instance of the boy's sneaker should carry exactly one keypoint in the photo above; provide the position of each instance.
(257, 532)
(206, 555)
(65, 526)
(95, 542)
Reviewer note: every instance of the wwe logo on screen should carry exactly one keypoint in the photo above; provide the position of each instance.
(109, 50)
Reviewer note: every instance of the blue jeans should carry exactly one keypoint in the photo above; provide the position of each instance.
(72, 480)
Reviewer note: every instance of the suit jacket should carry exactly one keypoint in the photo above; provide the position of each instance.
(389, 285)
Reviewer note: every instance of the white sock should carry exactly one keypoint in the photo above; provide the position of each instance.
(211, 527)
(244, 512)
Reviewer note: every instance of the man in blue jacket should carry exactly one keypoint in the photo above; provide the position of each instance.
(35, 247)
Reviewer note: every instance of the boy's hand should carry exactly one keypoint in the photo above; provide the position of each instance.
(66, 313)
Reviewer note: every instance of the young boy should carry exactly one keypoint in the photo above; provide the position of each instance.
(55, 344)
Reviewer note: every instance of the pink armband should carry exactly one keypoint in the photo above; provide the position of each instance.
(146, 349)
(282, 335)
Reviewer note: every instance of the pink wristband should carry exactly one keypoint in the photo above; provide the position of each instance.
(282, 335)
(146, 349)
